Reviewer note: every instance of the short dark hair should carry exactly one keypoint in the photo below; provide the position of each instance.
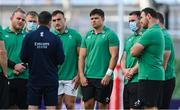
(44, 18)
(54, 13)
(137, 13)
(160, 17)
(18, 10)
(150, 11)
(98, 12)
(32, 13)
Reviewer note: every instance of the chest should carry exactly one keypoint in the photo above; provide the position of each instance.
(13, 40)
(98, 40)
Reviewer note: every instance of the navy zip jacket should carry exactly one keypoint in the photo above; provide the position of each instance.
(43, 52)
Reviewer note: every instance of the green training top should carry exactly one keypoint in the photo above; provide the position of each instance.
(13, 43)
(131, 61)
(98, 55)
(169, 73)
(151, 60)
(71, 41)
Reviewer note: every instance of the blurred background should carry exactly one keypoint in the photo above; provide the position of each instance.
(116, 12)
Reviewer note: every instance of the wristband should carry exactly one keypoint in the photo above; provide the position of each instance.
(109, 72)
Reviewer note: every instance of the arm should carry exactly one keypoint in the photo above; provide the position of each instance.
(78, 42)
(3, 58)
(76, 78)
(114, 52)
(24, 50)
(123, 64)
(81, 63)
(132, 72)
(166, 58)
(137, 49)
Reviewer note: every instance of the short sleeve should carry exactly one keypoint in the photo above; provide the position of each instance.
(83, 43)
(167, 43)
(145, 39)
(78, 39)
(113, 39)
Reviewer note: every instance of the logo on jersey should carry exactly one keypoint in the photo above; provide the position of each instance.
(103, 36)
(42, 34)
(70, 37)
(88, 37)
(6, 36)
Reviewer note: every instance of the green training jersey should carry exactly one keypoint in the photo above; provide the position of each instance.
(97, 54)
(13, 43)
(151, 61)
(71, 41)
(131, 61)
(169, 73)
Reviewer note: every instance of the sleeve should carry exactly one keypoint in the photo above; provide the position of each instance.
(24, 50)
(83, 43)
(11, 64)
(60, 52)
(145, 40)
(125, 43)
(113, 39)
(167, 43)
(78, 39)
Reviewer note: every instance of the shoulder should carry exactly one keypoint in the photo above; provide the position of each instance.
(73, 31)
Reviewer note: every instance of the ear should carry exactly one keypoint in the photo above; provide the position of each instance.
(11, 18)
(149, 16)
(103, 19)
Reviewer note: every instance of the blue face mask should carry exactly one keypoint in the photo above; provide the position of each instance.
(133, 26)
(31, 26)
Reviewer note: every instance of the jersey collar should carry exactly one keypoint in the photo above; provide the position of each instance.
(103, 31)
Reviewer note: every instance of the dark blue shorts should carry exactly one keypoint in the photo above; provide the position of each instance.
(48, 93)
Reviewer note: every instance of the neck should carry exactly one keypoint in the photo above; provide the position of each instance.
(138, 31)
(61, 30)
(14, 30)
(162, 25)
(152, 22)
(98, 30)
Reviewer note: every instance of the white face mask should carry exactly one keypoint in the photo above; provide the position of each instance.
(31, 26)
(133, 26)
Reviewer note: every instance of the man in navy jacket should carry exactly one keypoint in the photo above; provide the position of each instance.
(43, 52)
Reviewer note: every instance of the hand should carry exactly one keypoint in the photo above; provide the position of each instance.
(105, 80)
(76, 82)
(126, 71)
(130, 74)
(19, 67)
(83, 80)
(16, 72)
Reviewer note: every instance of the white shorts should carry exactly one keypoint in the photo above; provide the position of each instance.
(67, 87)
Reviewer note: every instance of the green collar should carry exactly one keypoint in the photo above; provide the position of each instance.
(154, 26)
(58, 33)
(10, 31)
(103, 31)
